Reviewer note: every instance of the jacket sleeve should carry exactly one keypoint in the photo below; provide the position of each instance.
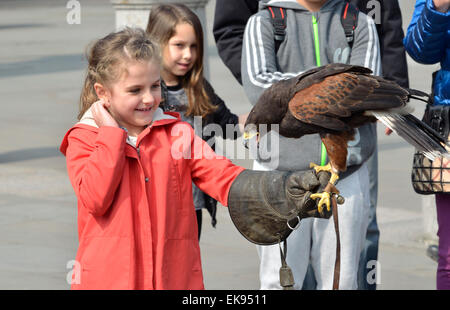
(95, 171)
(425, 39)
(259, 63)
(390, 33)
(366, 47)
(230, 18)
(391, 43)
(365, 52)
(212, 173)
(222, 116)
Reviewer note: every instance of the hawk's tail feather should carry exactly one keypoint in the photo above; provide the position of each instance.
(381, 101)
(415, 132)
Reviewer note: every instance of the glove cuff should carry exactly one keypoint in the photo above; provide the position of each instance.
(258, 206)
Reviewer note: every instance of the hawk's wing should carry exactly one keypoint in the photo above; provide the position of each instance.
(318, 74)
(337, 102)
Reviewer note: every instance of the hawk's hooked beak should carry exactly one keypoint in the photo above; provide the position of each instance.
(250, 133)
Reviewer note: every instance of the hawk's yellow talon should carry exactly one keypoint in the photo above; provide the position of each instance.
(334, 176)
(248, 136)
(324, 199)
(319, 168)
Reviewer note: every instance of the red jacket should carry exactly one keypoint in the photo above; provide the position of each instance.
(136, 219)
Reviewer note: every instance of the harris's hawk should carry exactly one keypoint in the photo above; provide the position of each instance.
(334, 99)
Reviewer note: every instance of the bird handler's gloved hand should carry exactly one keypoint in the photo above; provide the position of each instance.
(265, 206)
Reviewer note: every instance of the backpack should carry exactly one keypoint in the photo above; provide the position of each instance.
(349, 20)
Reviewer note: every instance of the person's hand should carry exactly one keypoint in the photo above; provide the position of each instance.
(242, 120)
(101, 115)
(388, 131)
(442, 5)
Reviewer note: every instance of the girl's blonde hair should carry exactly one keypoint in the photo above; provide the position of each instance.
(161, 26)
(107, 59)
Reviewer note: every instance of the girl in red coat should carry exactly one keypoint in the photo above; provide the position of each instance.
(132, 165)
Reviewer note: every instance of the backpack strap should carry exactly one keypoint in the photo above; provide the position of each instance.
(279, 24)
(349, 20)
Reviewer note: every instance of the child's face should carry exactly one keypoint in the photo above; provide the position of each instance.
(135, 96)
(180, 54)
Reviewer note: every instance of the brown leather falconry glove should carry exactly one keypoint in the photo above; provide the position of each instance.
(300, 186)
(265, 206)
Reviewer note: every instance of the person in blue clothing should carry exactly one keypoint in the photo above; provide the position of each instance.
(428, 42)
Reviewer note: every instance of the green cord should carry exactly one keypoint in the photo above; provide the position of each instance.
(323, 157)
(323, 151)
(316, 40)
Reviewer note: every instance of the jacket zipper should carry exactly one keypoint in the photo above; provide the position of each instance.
(323, 150)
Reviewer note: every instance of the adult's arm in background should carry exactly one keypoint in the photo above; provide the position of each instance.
(390, 34)
(230, 18)
(425, 39)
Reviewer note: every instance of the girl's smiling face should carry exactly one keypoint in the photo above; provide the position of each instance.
(134, 98)
(179, 54)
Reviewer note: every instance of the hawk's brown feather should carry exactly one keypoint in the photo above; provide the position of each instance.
(337, 103)
(333, 102)
(329, 100)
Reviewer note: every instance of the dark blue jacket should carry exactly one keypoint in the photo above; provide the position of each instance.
(428, 42)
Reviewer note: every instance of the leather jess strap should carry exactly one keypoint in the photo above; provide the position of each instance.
(337, 262)
(286, 276)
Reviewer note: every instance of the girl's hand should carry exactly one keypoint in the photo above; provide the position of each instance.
(387, 130)
(242, 120)
(101, 115)
(442, 5)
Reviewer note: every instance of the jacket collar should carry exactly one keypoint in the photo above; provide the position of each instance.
(87, 121)
(158, 116)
